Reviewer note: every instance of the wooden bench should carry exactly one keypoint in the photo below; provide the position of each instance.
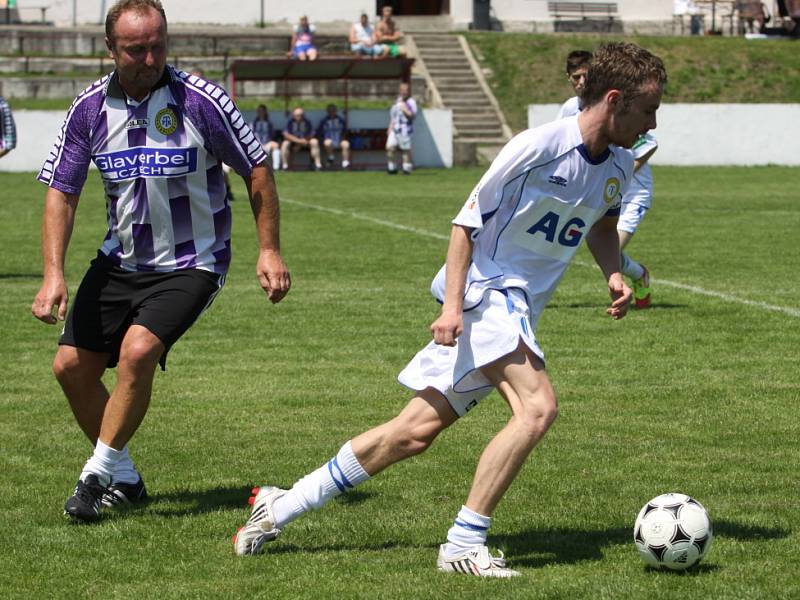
(603, 11)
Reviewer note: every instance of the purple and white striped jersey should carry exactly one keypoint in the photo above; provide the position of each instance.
(8, 129)
(161, 164)
(400, 123)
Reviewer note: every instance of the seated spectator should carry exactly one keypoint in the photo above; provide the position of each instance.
(333, 133)
(8, 129)
(752, 16)
(386, 33)
(265, 134)
(297, 135)
(302, 43)
(362, 39)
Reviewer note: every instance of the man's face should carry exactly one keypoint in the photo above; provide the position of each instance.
(364, 20)
(387, 12)
(331, 111)
(627, 124)
(297, 114)
(405, 93)
(261, 113)
(139, 49)
(578, 79)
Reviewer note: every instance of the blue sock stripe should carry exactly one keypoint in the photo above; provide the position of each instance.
(466, 525)
(341, 481)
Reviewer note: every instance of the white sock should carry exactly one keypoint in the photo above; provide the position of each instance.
(631, 268)
(469, 529)
(339, 474)
(345, 164)
(276, 160)
(391, 166)
(101, 463)
(125, 471)
(407, 166)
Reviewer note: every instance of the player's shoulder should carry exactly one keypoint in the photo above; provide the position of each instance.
(204, 87)
(553, 139)
(623, 159)
(91, 99)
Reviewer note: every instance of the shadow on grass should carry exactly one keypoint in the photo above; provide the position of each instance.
(184, 503)
(655, 306)
(20, 276)
(539, 547)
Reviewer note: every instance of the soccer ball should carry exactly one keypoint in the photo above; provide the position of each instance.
(672, 531)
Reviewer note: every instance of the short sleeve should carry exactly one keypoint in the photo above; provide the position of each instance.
(227, 133)
(67, 164)
(644, 145)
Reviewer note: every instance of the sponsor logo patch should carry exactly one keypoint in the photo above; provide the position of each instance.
(137, 124)
(146, 162)
(558, 180)
(166, 121)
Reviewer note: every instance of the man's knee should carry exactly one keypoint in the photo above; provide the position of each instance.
(345, 144)
(66, 364)
(539, 411)
(314, 142)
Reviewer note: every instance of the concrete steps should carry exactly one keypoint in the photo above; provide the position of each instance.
(475, 115)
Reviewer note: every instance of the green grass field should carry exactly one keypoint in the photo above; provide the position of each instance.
(699, 395)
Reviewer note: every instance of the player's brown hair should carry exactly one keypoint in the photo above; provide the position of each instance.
(621, 66)
(115, 12)
(577, 59)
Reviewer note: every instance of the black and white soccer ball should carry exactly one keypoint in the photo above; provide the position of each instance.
(673, 531)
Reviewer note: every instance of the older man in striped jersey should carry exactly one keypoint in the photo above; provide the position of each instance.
(158, 137)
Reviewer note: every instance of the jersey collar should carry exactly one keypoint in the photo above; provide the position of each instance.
(115, 90)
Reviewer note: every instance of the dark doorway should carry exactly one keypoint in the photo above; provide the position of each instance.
(415, 7)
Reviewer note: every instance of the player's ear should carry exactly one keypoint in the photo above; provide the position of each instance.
(110, 47)
(613, 99)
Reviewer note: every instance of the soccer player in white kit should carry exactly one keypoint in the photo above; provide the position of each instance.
(639, 197)
(548, 189)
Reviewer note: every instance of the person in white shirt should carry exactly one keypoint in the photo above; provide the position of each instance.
(362, 39)
(549, 189)
(400, 130)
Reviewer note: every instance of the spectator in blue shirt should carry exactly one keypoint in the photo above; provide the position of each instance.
(265, 134)
(298, 135)
(332, 131)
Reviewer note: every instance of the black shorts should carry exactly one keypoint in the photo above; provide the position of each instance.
(110, 300)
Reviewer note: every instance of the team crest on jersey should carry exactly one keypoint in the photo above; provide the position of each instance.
(611, 190)
(166, 121)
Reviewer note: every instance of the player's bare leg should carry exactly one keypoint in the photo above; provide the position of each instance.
(79, 373)
(138, 357)
(412, 431)
(285, 149)
(407, 164)
(345, 146)
(409, 433)
(521, 379)
(391, 165)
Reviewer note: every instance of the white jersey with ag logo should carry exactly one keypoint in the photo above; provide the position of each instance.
(533, 208)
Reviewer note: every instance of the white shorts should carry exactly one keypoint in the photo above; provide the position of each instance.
(492, 330)
(630, 216)
(397, 140)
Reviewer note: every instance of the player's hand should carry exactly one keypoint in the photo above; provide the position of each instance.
(621, 296)
(273, 275)
(447, 328)
(52, 295)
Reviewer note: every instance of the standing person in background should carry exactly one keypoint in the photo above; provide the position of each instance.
(299, 134)
(265, 134)
(8, 129)
(158, 137)
(362, 39)
(332, 130)
(386, 33)
(400, 130)
(577, 66)
(302, 44)
(638, 198)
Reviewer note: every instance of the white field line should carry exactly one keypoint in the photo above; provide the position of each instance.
(792, 312)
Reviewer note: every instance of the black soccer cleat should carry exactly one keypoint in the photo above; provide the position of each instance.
(84, 504)
(122, 494)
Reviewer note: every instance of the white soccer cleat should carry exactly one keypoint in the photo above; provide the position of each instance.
(476, 561)
(260, 527)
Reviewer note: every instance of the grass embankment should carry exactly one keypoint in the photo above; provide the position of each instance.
(529, 69)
